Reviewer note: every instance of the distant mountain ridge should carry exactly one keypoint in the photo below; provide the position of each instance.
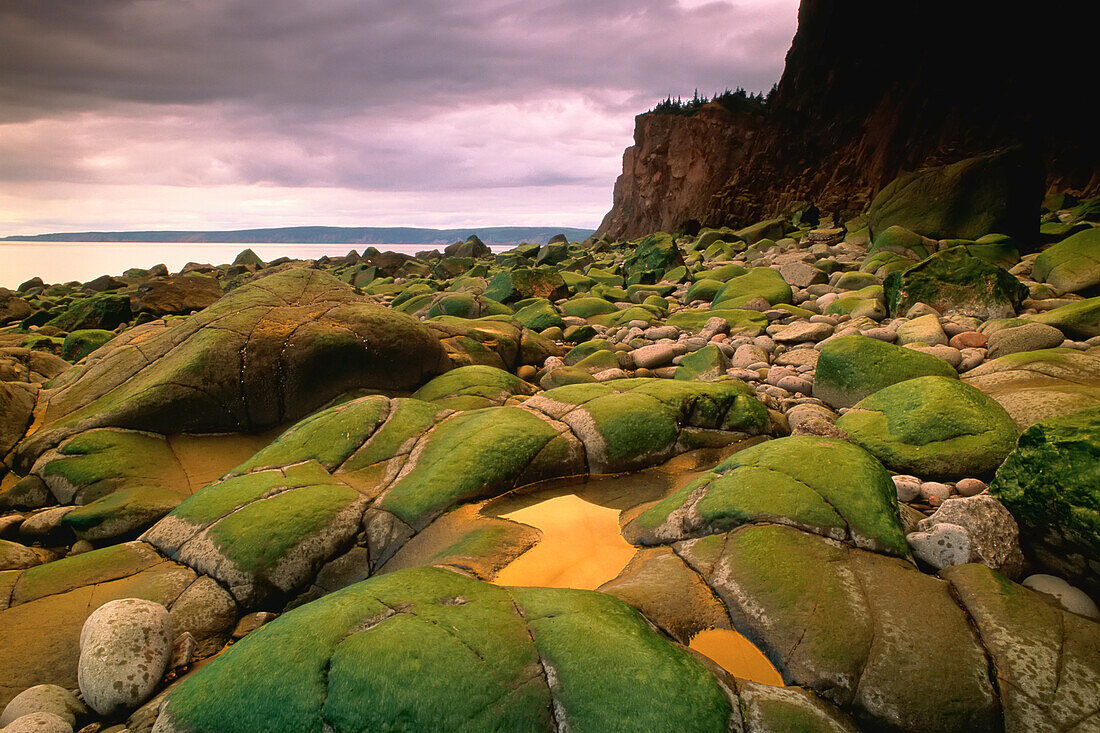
(322, 235)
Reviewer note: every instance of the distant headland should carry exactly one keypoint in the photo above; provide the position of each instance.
(322, 235)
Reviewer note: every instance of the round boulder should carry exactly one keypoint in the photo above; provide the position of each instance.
(124, 649)
(50, 699)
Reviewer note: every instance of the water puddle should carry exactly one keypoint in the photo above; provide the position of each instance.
(581, 545)
(737, 655)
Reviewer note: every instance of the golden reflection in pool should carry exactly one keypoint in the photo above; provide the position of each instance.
(737, 655)
(581, 545)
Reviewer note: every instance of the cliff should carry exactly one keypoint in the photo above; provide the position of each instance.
(866, 94)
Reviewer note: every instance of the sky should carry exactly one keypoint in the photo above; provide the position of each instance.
(223, 114)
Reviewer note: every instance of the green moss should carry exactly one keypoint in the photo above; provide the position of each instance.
(96, 462)
(79, 344)
(1073, 264)
(487, 385)
(934, 427)
(260, 534)
(327, 437)
(644, 683)
(955, 281)
(512, 285)
(1080, 320)
(826, 486)
(587, 307)
(1052, 479)
(742, 322)
(853, 367)
(122, 511)
(759, 282)
(474, 454)
(539, 315)
(87, 568)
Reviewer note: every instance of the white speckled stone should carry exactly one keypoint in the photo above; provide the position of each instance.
(1071, 598)
(39, 723)
(43, 699)
(124, 649)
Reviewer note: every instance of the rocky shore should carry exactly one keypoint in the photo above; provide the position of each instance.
(257, 496)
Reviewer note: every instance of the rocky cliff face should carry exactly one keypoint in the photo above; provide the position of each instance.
(863, 98)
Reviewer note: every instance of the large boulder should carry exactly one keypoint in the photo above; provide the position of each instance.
(1073, 264)
(853, 367)
(934, 427)
(1077, 320)
(652, 257)
(268, 353)
(527, 282)
(12, 307)
(1051, 484)
(759, 282)
(1040, 385)
(439, 651)
(995, 192)
(124, 650)
(824, 486)
(954, 282)
(172, 295)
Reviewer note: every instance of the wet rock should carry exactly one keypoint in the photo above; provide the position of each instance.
(14, 556)
(124, 650)
(1051, 485)
(956, 283)
(1071, 265)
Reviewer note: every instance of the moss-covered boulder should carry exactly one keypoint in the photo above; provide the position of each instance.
(1073, 264)
(1046, 660)
(934, 427)
(632, 423)
(1041, 385)
(180, 294)
(853, 626)
(1051, 484)
(473, 387)
(964, 200)
(527, 282)
(741, 322)
(759, 282)
(269, 352)
(497, 341)
(706, 365)
(106, 311)
(651, 257)
(824, 486)
(538, 315)
(853, 367)
(121, 513)
(79, 344)
(1079, 320)
(427, 649)
(903, 242)
(263, 534)
(98, 462)
(954, 282)
(587, 307)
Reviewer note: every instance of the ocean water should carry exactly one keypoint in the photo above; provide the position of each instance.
(59, 262)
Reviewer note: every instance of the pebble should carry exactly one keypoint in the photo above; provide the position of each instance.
(970, 486)
(748, 354)
(654, 356)
(908, 487)
(934, 492)
(44, 522)
(968, 340)
(795, 384)
(1070, 598)
(250, 622)
(124, 650)
(971, 358)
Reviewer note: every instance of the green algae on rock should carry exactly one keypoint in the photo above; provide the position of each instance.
(853, 367)
(473, 387)
(1073, 264)
(482, 656)
(1051, 484)
(934, 427)
(824, 486)
(955, 282)
(759, 282)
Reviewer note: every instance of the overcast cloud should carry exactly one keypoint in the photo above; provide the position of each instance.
(129, 114)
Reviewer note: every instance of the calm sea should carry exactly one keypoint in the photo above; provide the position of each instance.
(59, 262)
